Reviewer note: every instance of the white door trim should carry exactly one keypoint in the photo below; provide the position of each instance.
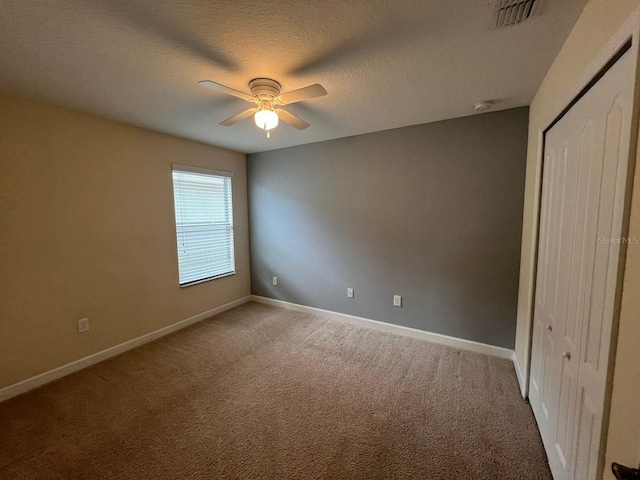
(630, 30)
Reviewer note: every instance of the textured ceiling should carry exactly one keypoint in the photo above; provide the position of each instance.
(384, 63)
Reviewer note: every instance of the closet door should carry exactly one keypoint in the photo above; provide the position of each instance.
(583, 197)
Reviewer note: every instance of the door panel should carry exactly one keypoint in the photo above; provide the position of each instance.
(540, 367)
(545, 395)
(564, 424)
(587, 441)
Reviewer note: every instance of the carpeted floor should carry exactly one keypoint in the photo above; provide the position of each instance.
(264, 393)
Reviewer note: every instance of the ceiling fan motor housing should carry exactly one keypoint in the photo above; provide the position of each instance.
(264, 90)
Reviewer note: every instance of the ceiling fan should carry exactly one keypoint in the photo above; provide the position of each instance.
(265, 93)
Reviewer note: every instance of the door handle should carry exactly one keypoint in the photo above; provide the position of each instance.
(625, 473)
(566, 355)
(550, 328)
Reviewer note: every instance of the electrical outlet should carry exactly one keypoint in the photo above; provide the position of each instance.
(349, 292)
(397, 300)
(83, 325)
(275, 280)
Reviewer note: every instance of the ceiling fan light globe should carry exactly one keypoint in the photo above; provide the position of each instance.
(266, 119)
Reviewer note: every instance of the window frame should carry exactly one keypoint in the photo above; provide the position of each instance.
(210, 172)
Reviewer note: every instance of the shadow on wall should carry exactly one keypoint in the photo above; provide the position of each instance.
(431, 212)
(313, 253)
(286, 248)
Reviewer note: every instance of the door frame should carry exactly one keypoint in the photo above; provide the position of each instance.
(629, 32)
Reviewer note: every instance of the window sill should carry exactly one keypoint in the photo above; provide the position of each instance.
(208, 279)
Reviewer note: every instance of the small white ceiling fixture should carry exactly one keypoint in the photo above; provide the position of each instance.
(483, 106)
(265, 92)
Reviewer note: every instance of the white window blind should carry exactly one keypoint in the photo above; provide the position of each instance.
(204, 224)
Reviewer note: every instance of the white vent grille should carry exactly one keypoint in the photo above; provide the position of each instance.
(512, 12)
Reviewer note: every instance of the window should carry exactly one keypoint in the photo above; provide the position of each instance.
(204, 224)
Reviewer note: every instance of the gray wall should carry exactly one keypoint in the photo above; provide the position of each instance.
(431, 212)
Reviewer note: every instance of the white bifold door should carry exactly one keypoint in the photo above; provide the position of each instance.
(586, 161)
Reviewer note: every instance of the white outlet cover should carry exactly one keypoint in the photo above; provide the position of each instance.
(83, 325)
(350, 292)
(397, 300)
(275, 280)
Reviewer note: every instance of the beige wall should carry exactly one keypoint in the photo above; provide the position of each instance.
(598, 23)
(87, 230)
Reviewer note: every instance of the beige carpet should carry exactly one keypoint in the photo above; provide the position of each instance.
(264, 393)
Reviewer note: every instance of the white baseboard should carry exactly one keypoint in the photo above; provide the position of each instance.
(523, 387)
(56, 373)
(388, 327)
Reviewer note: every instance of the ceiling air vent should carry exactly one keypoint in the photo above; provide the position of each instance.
(511, 12)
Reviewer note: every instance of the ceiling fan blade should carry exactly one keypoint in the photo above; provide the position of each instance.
(229, 91)
(239, 117)
(305, 93)
(291, 119)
